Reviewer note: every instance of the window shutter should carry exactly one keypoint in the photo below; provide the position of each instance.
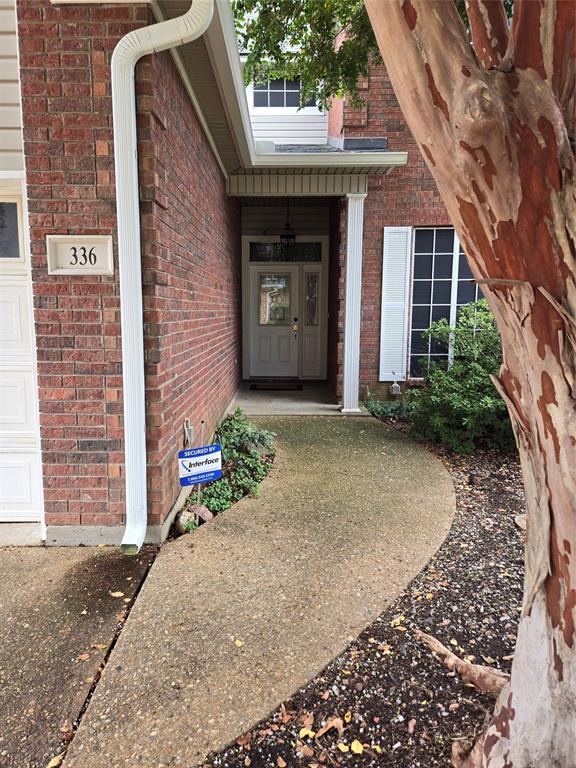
(394, 322)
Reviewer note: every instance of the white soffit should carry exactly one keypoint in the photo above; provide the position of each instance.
(269, 185)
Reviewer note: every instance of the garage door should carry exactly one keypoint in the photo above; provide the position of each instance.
(20, 470)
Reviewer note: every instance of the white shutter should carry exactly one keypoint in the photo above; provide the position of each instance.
(395, 284)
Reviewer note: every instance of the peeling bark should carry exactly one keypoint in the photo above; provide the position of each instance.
(496, 132)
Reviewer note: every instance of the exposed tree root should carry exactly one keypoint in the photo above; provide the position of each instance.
(486, 679)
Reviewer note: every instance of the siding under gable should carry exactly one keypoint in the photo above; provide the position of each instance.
(11, 155)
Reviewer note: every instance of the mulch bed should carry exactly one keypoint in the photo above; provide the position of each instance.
(389, 700)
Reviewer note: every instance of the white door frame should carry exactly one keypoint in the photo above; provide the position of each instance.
(273, 265)
(13, 189)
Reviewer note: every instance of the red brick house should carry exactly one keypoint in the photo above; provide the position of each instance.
(143, 273)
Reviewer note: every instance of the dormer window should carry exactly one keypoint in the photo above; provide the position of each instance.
(278, 93)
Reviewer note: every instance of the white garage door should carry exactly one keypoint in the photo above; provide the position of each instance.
(20, 471)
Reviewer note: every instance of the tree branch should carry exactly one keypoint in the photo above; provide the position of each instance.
(544, 39)
(489, 29)
(486, 679)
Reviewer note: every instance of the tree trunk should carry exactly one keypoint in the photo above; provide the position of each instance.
(494, 125)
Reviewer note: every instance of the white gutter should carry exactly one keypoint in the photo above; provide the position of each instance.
(134, 45)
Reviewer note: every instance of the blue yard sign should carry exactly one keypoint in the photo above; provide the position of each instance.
(200, 465)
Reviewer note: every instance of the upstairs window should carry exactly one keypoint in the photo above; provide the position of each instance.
(278, 93)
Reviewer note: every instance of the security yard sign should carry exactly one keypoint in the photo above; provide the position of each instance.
(200, 465)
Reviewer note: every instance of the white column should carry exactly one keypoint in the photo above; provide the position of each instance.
(352, 299)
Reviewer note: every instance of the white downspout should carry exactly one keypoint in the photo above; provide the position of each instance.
(134, 45)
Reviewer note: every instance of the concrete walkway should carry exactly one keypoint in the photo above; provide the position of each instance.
(58, 617)
(235, 617)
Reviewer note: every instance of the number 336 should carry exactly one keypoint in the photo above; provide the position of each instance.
(81, 256)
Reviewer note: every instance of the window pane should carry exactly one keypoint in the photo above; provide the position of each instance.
(292, 85)
(421, 317)
(276, 98)
(274, 303)
(9, 243)
(418, 343)
(466, 292)
(421, 292)
(440, 313)
(311, 304)
(423, 265)
(442, 291)
(437, 347)
(443, 265)
(277, 85)
(424, 241)
(273, 252)
(444, 241)
(260, 98)
(463, 267)
(260, 86)
(416, 370)
(292, 99)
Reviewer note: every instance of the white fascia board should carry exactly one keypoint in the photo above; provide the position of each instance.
(330, 159)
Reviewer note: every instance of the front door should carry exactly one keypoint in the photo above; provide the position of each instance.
(274, 307)
(285, 310)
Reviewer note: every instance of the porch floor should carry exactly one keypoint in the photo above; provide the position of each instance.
(238, 615)
(314, 399)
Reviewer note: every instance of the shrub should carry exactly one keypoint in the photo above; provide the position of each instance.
(458, 405)
(247, 455)
(394, 410)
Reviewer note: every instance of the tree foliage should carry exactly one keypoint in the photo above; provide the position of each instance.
(328, 44)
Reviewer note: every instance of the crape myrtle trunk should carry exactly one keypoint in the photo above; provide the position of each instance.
(495, 120)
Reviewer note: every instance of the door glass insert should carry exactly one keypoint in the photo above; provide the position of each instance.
(274, 299)
(311, 299)
(9, 243)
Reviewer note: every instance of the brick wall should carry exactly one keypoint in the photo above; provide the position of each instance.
(191, 260)
(407, 196)
(65, 56)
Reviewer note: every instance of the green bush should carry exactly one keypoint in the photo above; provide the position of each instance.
(247, 455)
(395, 410)
(458, 405)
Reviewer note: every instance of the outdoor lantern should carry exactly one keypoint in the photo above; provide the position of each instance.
(287, 236)
(395, 388)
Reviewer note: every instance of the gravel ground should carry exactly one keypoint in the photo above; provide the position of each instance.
(387, 700)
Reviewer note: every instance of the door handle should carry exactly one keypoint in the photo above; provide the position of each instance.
(295, 327)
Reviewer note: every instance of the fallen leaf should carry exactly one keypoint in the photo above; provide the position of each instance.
(348, 717)
(99, 646)
(84, 612)
(398, 620)
(377, 749)
(306, 750)
(411, 726)
(280, 762)
(306, 733)
(343, 747)
(238, 643)
(83, 657)
(332, 722)
(357, 747)
(247, 761)
(56, 761)
(325, 695)
(243, 740)
(307, 720)
(116, 594)
(453, 641)
(429, 596)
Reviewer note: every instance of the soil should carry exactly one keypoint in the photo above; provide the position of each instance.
(389, 700)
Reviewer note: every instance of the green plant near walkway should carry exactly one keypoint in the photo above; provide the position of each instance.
(458, 405)
(247, 456)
